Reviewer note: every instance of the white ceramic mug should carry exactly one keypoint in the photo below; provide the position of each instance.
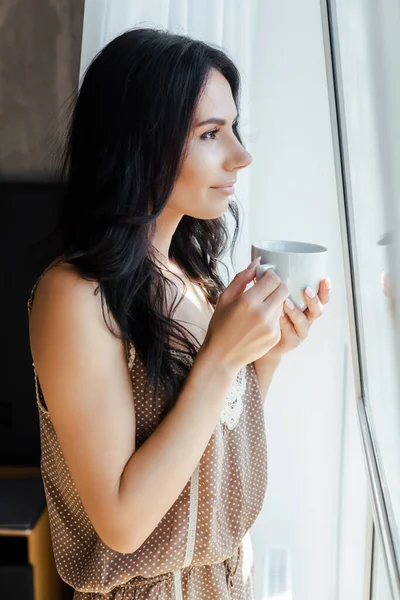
(297, 264)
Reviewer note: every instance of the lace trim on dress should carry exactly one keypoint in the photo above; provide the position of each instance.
(234, 401)
(194, 503)
(178, 585)
(233, 405)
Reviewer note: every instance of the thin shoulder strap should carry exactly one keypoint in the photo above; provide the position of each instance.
(131, 355)
(30, 300)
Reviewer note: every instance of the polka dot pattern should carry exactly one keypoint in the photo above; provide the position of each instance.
(232, 480)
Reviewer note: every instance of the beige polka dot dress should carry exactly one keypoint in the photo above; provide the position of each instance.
(201, 548)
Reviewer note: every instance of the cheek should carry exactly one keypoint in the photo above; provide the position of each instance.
(199, 170)
(192, 193)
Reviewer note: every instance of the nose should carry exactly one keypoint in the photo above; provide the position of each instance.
(246, 160)
(239, 158)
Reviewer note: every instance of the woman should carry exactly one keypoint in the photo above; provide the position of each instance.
(150, 375)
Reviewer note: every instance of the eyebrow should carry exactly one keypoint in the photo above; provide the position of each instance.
(216, 121)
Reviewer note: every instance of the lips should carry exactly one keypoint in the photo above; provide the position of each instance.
(227, 189)
(225, 185)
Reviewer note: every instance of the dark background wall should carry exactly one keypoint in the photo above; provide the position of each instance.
(40, 43)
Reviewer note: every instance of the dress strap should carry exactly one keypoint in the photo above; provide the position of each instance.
(131, 354)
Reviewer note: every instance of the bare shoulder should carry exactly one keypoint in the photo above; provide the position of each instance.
(63, 291)
(60, 285)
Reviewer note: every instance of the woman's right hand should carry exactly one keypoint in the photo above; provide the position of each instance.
(246, 324)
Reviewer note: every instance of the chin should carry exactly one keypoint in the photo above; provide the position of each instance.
(212, 214)
(206, 209)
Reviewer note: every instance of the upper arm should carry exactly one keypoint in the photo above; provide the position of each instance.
(87, 387)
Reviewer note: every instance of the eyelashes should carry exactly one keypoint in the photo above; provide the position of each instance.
(205, 135)
(214, 132)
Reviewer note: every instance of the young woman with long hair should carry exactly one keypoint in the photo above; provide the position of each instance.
(150, 404)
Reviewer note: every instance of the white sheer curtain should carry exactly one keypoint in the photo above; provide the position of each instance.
(228, 23)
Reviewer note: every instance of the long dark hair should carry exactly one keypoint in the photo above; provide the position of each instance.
(124, 150)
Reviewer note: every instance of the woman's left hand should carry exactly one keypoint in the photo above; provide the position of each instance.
(295, 324)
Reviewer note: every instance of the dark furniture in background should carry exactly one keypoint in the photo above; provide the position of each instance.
(27, 569)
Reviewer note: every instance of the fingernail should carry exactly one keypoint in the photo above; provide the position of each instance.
(328, 283)
(289, 304)
(310, 293)
(255, 262)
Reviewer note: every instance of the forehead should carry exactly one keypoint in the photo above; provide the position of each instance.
(217, 99)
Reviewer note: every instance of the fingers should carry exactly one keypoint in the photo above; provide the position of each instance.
(315, 301)
(324, 291)
(314, 305)
(299, 319)
(240, 281)
(302, 320)
(288, 331)
(269, 289)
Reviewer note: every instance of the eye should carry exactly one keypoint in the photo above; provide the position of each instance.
(211, 133)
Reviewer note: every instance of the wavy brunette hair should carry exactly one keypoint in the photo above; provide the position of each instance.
(124, 150)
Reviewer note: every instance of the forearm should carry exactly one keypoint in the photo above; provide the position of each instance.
(265, 369)
(158, 471)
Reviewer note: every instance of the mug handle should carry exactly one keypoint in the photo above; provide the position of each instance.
(260, 269)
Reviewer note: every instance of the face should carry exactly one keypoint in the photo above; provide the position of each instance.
(214, 157)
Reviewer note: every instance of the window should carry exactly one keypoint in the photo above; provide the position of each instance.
(365, 41)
